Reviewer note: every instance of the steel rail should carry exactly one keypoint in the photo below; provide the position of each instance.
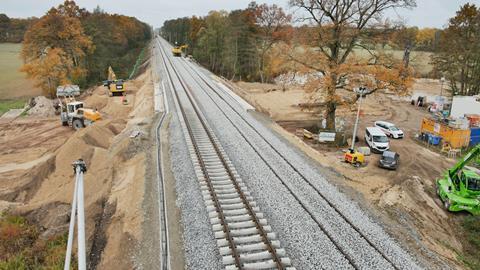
(162, 203)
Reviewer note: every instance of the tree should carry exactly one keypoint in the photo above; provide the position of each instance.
(337, 28)
(58, 41)
(212, 40)
(273, 27)
(458, 56)
(426, 39)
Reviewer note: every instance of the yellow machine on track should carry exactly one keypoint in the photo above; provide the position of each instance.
(178, 50)
(114, 85)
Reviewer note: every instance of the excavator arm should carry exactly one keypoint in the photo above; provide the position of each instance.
(111, 75)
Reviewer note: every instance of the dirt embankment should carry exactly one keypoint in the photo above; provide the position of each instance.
(404, 199)
(36, 176)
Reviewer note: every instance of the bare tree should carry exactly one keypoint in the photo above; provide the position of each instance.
(337, 27)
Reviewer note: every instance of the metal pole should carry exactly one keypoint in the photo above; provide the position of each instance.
(441, 89)
(81, 168)
(68, 255)
(356, 122)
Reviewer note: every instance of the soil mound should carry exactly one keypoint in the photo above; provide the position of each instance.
(41, 107)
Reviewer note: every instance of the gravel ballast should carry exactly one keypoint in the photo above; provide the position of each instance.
(245, 162)
(271, 181)
(200, 249)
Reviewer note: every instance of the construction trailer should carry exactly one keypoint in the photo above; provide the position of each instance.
(462, 105)
(457, 136)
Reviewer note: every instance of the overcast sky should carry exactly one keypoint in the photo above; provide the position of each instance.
(428, 13)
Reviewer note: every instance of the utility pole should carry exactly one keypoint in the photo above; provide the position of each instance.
(79, 168)
(442, 80)
(361, 91)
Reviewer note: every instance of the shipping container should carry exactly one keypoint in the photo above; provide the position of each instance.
(457, 138)
(474, 136)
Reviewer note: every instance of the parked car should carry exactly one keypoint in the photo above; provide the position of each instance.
(389, 160)
(389, 129)
(376, 139)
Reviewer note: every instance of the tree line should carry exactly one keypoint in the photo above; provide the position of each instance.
(72, 45)
(322, 42)
(13, 29)
(233, 44)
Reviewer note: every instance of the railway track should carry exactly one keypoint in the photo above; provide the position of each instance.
(243, 236)
(333, 207)
(162, 203)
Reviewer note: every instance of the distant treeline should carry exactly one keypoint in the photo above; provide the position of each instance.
(236, 44)
(72, 45)
(118, 41)
(233, 44)
(12, 30)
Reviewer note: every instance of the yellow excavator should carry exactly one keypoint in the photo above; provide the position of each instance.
(178, 50)
(114, 85)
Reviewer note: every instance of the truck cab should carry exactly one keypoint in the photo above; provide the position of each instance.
(77, 116)
(470, 183)
(459, 189)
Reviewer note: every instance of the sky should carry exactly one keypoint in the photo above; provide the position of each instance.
(428, 13)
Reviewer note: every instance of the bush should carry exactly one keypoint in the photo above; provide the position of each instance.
(22, 248)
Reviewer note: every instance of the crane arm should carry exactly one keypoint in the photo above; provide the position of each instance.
(475, 152)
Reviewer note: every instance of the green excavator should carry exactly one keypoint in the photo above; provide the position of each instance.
(459, 189)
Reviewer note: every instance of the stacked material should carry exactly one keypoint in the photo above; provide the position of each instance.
(41, 107)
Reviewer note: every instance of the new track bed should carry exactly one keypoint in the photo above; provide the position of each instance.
(243, 236)
(388, 260)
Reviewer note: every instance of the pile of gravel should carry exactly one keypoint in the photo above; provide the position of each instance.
(41, 107)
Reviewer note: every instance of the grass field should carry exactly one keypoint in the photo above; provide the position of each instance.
(13, 83)
(419, 61)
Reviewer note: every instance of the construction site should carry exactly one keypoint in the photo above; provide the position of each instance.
(185, 150)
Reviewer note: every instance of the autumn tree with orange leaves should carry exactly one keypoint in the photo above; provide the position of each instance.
(335, 29)
(55, 47)
(273, 26)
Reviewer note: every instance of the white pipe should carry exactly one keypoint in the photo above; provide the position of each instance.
(81, 223)
(68, 255)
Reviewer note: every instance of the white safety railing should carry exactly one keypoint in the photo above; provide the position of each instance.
(79, 168)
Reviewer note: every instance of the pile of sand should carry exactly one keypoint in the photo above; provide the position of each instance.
(41, 107)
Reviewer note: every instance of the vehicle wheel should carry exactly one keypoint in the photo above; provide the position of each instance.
(64, 123)
(77, 124)
(438, 190)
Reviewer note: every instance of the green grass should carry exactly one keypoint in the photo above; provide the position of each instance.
(13, 83)
(6, 105)
(471, 252)
(419, 61)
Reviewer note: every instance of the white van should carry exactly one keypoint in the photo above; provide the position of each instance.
(376, 139)
(389, 129)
